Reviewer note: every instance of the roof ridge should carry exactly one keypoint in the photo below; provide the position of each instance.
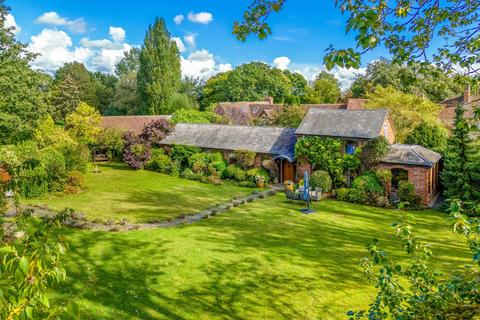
(414, 146)
(235, 125)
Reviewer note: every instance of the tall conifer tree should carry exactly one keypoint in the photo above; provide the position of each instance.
(159, 77)
(461, 173)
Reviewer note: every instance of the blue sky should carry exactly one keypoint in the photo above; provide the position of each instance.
(97, 32)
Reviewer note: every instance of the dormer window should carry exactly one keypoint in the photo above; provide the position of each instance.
(350, 147)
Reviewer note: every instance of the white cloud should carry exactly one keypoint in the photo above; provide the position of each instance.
(200, 17)
(117, 34)
(11, 23)
(190, 40)
(55, 48)
(178, 18)
(54, 19)
(281, 62)
(180, 45)
(201, 63)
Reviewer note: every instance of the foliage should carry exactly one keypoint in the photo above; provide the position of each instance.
(159, 75)
(407, 29)
(321, 179)
(290, 116)
(105, 85)
(23, 100)
(257, 174)
(192, 87)
(415, 290)
(181, 153)
(323, 154)
(421, 80)
(65, 98)
(406, 194)
(126, 100)
(385, 177)
(405, 110)
(245, 158)
(48, 134)
(129, 63)
(461, 172)
(195, 116)
(135, 153)
(248, 82)
(84, 124)
(432, 136)
(369, 183)
(159, 161)
(110, 141)
(80, 79)
(76, 179)
(234, 172)
(373, 151)
(326, 88)
(155, 131)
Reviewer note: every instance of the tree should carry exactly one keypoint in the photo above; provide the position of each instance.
(372, 152)
(65, 98)
(415, 290)
(83, 80)
(289, 116)
(154, 132)
(429, 135)
(405, 110)
(104, 90)
(326, 89)
(406, 28)
(126, 100)
(129, 63)
(461, 172)
(159, 76)
(23, 99)
(192, 87)
(84, 124)
(248, 82)
(429, 81)
(195, 116)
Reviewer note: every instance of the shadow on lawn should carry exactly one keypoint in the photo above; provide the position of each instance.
(257, 263)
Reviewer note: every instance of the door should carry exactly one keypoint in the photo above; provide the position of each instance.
(288, 171)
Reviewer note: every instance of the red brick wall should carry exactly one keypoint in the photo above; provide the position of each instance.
(420, 177)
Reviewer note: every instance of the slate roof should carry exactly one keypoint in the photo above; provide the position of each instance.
(268, 140)
(411, 155)
(362, 124)
(130, 123)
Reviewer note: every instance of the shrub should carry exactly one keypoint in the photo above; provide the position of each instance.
(384, 176)
(321, 179)
(373, 151)
(406, 193)
(135, 153)
(358, 196)
(382, 202)
(248, 184)
(254, 174)
(159, 162)
(54, 164)
(369, 183)
(71, 190)
(76, 157)
(76, 179)
(181, 153)
(245, 159)
(198, 162)
(233, 172)
(220, 166)
(110, 140)
(342, 194)
(155, 131)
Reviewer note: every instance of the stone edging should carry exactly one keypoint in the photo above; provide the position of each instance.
(79, 221)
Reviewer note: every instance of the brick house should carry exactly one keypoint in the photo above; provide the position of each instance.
(469, 99)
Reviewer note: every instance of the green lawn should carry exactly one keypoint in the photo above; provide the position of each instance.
(264, 260)
(140, 196)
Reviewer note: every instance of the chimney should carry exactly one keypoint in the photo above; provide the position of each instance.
(268, 99)
(467, 97)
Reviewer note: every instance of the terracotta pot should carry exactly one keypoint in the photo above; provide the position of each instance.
(260, 184)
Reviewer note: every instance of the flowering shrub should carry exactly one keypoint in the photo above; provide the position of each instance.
(155, 131)
(135, 153)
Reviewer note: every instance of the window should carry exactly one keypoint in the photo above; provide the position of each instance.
(350, 147)
(255, 108)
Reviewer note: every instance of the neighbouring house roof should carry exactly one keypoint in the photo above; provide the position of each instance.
(130, 123)
(411, 155)
(242, 113)
(268, 140)
(363, 124)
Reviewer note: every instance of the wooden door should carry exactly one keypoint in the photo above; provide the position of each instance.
(288, 171)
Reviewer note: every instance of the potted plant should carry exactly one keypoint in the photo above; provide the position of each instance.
(260, 181)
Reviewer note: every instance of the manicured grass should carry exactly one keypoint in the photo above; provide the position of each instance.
(140, 196)
(264, 260)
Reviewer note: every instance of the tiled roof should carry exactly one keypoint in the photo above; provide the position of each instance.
(411, 155)
(268, 140)
(130, 123)
(364, 124)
